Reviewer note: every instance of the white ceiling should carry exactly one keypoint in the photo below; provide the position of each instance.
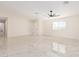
(34, 8)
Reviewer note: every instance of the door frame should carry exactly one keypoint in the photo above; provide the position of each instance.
(5, 21)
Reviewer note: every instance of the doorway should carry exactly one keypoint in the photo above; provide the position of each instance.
(3, 36)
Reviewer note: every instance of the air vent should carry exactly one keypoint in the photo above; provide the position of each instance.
(66, 2)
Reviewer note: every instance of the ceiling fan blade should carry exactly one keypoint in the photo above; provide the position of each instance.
(56, 15)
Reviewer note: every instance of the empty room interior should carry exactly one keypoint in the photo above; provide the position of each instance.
(39, 28)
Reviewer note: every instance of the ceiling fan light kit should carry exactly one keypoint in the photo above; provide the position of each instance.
(51, 14)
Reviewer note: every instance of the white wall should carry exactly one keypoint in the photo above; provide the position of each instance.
(71, 30)
(18, 25)
(46, 27)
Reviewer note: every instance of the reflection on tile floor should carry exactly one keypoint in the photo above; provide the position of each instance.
(41, 46)
(3, 47)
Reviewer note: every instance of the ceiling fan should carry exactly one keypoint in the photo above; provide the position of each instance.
(51, 14)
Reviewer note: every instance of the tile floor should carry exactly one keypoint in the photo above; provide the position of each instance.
(3, 46)
(40, 46)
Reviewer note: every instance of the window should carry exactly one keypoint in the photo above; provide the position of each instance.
(59, 25)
